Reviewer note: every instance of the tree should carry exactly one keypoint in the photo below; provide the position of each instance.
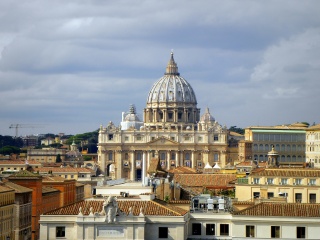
(7, 150)
(236, 129)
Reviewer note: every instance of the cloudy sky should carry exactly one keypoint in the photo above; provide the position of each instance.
(70, 66)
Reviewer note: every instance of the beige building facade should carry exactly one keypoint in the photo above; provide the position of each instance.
(313, 145)
(290, 185)
(172, 131)
(288, 140)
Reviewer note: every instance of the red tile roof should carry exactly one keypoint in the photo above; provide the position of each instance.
(63, 170)
(288, 172)
(182, 170)
(18, 188)
(155, 207)
(282, 210)
(200, 180)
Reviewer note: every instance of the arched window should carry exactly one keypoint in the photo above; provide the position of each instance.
(299, 148)
(294, 148)
(277, 147)
(162, 156)
(261, 147)
(187, 156)
(266, 147)
(288, 148)
(283, 147)
(255, 147)
(294, 158)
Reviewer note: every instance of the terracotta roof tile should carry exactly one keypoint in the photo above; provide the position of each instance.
(49, 190)
(155, 207)
(18, 188)
(282, 209)
(182, 170)
(63, 170)
(197, 180)
(24, 174)
(288, 172)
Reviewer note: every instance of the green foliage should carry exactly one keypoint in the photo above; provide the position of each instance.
(10, 141)
(166, 199)
(236, 129)
(7, 150)
(56, 145)
(87, 158)
(87, 140)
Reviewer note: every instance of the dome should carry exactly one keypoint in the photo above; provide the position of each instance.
(207, 117)
(171, 88)
(171, 101)
(132, 116)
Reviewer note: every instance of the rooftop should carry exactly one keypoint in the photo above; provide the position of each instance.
(154, 207)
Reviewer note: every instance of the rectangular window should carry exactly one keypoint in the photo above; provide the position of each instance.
(224, 229)
(216, 137)
(256, 194)
(199, 139)
(60, 231)
(270, 194)
(172, 138)
(110, 156)
(138, 138)
(110, 136)
(196, 229)
(216, 157)
(249, 231)
(301, 232)
(269, 180)
(312, 182)
(298, 181)
(284, 181)
(312, 198)
(186, 138)
(298, 197)
(275, 231)
(210, 229)
(256, 181)
(163, 232)
(126, 139)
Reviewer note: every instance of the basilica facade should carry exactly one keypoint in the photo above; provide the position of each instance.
(172, 131)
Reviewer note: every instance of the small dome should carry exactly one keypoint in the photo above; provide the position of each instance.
(172, 87)
(132, 116)
(207, 117)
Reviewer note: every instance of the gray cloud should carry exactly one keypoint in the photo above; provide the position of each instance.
(75, 65)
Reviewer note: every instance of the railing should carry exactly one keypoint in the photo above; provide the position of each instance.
(243, 180)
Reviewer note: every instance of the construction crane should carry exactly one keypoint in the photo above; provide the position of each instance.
(18, 125)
